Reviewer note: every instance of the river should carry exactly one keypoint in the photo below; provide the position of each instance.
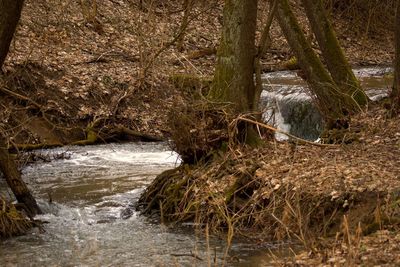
(92, 220)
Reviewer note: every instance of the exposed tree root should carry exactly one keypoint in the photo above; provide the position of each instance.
(289, 190)
(13, 222)
(230, 194)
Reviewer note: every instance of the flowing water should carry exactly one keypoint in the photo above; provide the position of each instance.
(92, 220)
(289, 106)
(93, 190)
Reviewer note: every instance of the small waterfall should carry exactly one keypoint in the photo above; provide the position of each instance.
(288, 105)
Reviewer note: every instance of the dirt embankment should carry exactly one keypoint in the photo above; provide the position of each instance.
(299, 191)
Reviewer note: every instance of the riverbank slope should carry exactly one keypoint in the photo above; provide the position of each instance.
(300, 191)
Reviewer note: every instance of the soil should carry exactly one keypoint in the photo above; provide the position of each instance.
(76, 69)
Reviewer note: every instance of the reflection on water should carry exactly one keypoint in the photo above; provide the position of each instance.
(91, 221)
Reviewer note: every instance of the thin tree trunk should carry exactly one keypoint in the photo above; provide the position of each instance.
(14, 180)
(336, 61)
(265, 39)
(265, 42)
(395, 94)
(10, 12)
(333, 104)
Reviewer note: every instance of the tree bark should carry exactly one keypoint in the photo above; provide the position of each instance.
(14, 180)
(333, 104)
(395, 94)
(264, 44)
(10, 13)
(336, 61)
(233, 79)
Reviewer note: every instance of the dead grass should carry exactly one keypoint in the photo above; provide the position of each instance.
(12, 222)
(114, 59)
(293, 191)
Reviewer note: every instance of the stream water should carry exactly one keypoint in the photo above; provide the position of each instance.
(92, 221)
(288, 105)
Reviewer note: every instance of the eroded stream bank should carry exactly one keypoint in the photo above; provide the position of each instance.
(94, 190)
(92, 220)
(296, 190)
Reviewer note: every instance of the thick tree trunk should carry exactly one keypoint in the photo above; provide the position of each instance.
(10, 12)
(336, 61)
(395, 95)
(233, 79)
(14, 180)
(333, 104)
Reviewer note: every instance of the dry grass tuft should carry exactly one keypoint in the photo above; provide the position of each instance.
(291, 190)
(12, 222)
(199, 129)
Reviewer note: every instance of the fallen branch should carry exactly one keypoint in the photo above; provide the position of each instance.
(269, 127)
(143, 136)
(22, 97)
(29, 147)
(191, 254)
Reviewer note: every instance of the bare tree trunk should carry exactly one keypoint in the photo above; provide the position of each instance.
(336, 61)
(265, 42)
(10, 12)
(333, 104)
(234, 73)
(14, 180)
(233, 78)
(395, 94)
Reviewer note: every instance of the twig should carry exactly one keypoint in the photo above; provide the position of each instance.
(167, 45)
(191, 254)
(103, 57)
(269, 127)
(7, 91)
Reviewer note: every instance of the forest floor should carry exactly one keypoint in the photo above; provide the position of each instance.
(110, 69)
(73, 66)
